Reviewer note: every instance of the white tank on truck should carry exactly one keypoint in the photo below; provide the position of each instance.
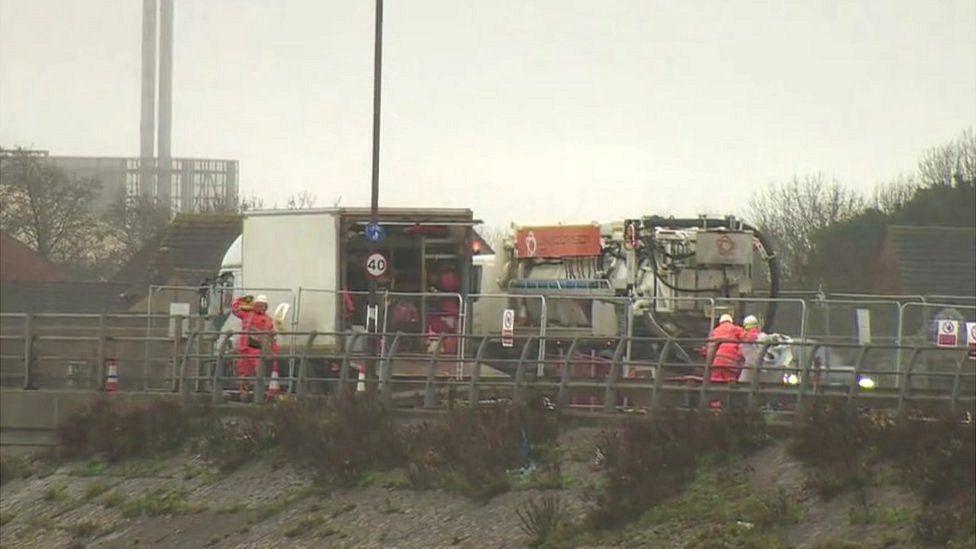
(589, 273)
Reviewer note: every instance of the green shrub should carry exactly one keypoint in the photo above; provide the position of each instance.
(157, 502)
(339, 440)
(94, 490)
(838, 441)
(542, 519)
(85, 528)
(54, 493)
(647, 461)
(12, 468)
(935, 455)
(473, 450)
(114, 430)
(231, 443)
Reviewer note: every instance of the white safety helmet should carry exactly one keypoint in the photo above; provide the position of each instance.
(725, 318)
(750, 321)
(261, 298)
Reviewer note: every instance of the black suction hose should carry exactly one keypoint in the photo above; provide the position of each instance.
(772, 260)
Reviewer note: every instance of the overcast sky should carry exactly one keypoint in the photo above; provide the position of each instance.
(534, 111)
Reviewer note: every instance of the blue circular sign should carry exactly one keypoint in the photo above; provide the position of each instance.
(375, 232)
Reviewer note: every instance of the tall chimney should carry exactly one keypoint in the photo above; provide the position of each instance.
(164, 189)
(147, 128)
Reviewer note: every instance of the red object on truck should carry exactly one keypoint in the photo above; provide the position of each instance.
(558, 241)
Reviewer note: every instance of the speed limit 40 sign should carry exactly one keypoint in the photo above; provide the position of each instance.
(377, 264)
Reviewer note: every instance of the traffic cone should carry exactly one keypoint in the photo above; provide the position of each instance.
(112, 377)
(274, 388)
(361, 386)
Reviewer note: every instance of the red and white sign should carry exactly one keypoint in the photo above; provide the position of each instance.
(971, 339)
(948, 335)
(558, 241)
(377, 264)
(508, 328)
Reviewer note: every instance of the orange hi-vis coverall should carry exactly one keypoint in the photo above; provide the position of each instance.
(725, 364)
(254, 325)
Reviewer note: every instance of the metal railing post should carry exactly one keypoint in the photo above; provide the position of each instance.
(543, 330)
(100, 354)
(344, 372)
(517, 392)
(200, 326)
(217, 393)
(259, 372)
(430, 399)
(803, 372)
(754, 382)
(706, 382)
(177, 337)
(956, 382)
(899, 342)
(659, 376)
(29, 351)
(386, 370)
(474, 394)
(184, 384)
(300, 388)
(852, 388)
(610, 394)
(905, 393)
(562, 398)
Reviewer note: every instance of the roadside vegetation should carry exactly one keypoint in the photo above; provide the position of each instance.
(646, 478)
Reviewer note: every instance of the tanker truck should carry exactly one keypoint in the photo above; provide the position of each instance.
(652, 276)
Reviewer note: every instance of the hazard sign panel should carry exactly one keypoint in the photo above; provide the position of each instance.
(508, 328)
(948, 335)
(558, 241)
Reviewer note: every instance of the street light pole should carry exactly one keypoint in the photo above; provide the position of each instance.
(372, 314)
(377, 80)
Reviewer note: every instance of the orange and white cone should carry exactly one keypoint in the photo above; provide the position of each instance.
(274, 388)
(111, 377)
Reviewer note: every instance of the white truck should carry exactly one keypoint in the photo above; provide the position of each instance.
(315, 260)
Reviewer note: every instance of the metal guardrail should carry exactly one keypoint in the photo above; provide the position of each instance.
(593, 373)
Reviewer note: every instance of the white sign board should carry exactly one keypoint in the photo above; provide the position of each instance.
(508, 328)
(181, 310)
(971, 339)
(376, 265)
(863, 326)
(948, 335)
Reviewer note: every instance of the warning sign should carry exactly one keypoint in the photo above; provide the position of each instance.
(558, 241)
(508, 328)
(948, 335)
(971, 339)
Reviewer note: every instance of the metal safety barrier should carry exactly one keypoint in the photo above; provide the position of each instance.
(581, 373)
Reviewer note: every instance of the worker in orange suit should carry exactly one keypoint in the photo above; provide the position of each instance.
(256, 326)
(727, 354)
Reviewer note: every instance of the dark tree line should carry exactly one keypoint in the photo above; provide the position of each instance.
(827, 233)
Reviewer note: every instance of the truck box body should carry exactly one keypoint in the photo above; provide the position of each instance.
(309, 257)
(292, 250)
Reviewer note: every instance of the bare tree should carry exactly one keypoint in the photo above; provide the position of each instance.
(46, 210)
(250, 203)
(950, 165)
(301, 201)
(892, 196)
(133, 222)
(791, 213)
